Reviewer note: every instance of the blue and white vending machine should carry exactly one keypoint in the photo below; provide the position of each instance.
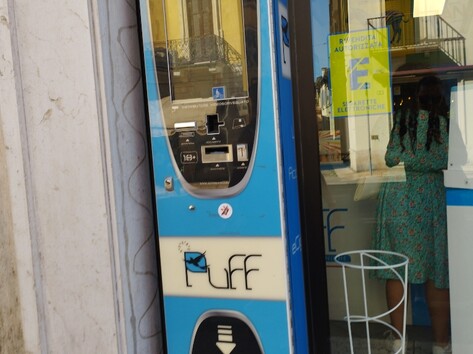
(219, 98)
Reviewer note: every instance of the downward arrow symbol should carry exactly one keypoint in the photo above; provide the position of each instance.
(226, 348)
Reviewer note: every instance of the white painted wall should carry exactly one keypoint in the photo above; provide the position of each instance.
(17, 229)
(71, 115)
(122, 85)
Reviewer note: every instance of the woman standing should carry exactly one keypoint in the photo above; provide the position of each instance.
(411, 216)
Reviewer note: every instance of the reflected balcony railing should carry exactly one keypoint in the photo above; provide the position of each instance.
(429, 32)
(203, 50)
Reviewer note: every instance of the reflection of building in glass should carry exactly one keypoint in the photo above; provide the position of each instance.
(329, 135)
(428, 39)
(417, 45)
(202, 44)
(323, 99)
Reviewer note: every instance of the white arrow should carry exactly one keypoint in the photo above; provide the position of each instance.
(225, 347)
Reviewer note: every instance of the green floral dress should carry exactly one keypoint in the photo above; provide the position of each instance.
(411, 215)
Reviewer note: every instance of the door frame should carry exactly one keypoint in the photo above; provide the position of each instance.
(309, 177)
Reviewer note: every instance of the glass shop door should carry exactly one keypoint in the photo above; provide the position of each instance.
(388, 76)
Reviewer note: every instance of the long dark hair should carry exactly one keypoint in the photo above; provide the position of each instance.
(430, 97)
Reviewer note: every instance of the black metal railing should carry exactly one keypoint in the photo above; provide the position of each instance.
(435, 30)
(207, 49)
(429, 31)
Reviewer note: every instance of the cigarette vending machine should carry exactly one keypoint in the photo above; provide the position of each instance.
(219, 97)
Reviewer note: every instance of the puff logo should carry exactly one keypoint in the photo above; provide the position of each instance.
(236, 274)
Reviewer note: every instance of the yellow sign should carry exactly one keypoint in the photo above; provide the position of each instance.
(360, 73)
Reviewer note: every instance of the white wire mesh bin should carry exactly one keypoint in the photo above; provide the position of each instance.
(371, 260)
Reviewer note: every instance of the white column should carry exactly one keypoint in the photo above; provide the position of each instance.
(15, 199)
(51, 118)
(366, 133)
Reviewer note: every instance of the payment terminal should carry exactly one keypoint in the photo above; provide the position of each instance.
(217, 79)
(207, 74)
